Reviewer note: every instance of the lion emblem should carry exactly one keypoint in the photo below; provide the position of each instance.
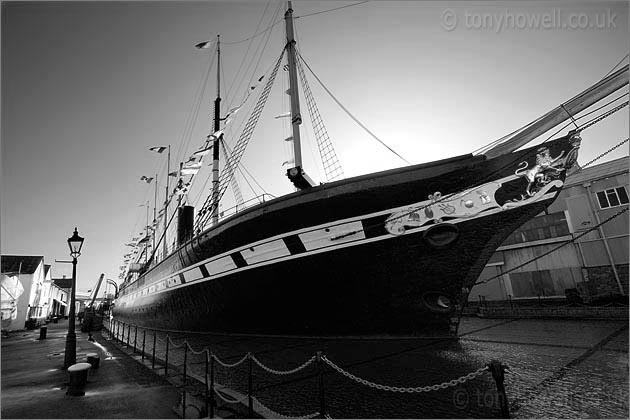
(545, 169)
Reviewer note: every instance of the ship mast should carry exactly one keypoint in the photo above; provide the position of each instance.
(296, 174)
(215, 143)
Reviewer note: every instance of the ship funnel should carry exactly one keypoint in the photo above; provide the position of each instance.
(185, 219)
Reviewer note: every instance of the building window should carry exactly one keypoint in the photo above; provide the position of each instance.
(542, 227)
(612, 197)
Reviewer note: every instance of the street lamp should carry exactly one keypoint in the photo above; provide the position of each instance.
(75, 243)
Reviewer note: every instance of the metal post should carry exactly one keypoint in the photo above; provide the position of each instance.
(206, 381)
(320, 367)
(185, 362)
(70, 357)
(135, 339)
(166, 357)
(212, 402)
(153, 357)
(184, 380)
(250, 401)
(498, 373)
(144, 337)
(128, 334)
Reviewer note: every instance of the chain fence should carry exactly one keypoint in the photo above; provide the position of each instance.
(181, 364)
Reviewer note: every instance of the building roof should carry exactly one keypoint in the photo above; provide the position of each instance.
(46, 269)
(22, 264)
(63, 283)
(603, 170)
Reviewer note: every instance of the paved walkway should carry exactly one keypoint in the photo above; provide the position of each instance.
(34, 383)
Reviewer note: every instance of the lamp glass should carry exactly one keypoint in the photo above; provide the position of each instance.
(75, 243)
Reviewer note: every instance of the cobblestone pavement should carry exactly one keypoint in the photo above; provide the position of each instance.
(557, 369)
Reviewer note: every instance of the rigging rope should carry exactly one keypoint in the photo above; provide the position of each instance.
(332, 167)
(619, 213)
(209, 207)
(616, 65)
(350, 114)
(238, 72)
(330, 10)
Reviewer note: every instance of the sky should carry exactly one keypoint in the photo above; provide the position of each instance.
(88, 87)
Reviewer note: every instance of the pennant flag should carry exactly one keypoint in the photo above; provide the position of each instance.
(189, 171)
(234, 110)
(158, 149)
(174, 174)
(192, 165)
(288, 114)
(146, 179)
(130, 244)
(182, 188)
(290, 138)
(204, 45)
(203, 152)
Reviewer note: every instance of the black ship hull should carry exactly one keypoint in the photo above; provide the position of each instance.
(394, 252)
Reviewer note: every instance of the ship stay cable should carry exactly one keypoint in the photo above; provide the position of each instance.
(349, 113)
(240, 67)
(617, 65)
(488, 146)
(330, 10)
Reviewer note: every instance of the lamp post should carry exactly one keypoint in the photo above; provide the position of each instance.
(75, 243)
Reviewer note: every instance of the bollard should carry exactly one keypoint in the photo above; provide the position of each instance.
(93, 359)
(144, 337)
(250, 401)
(320, 368)
(128, 334)
(212, 402)
(153, 358)
(78, 378)
(166, 357)
(135, 340)
(498, 373)
(42, 333)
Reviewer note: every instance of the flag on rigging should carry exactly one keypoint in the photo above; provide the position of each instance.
(204, 45)
(182, 188)
(189, 171)
(146, 179)
(203, 152)
(192, 165)
(158, 149)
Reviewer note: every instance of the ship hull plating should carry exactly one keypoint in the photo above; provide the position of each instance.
(392, 253)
